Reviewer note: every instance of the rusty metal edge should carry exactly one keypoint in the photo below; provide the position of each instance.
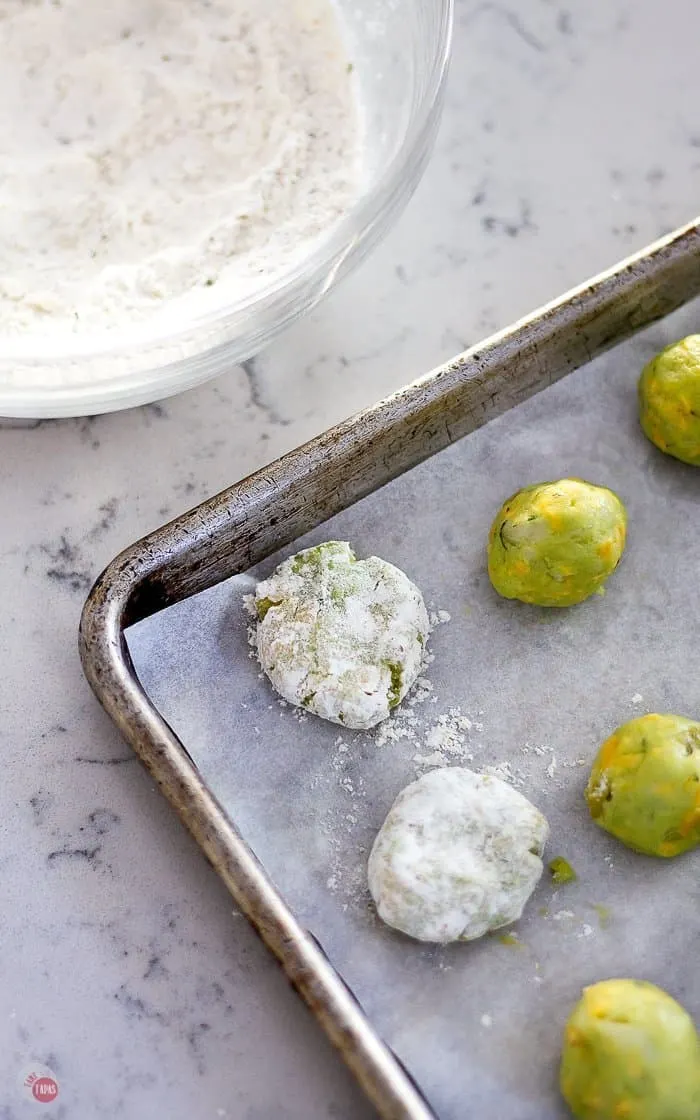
(251, 520)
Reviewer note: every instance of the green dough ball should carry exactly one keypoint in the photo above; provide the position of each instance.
(644, 787)
(630, 1053)
(556, 543)
(669, 400)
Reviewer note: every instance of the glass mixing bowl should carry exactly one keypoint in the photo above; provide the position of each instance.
(399, 50)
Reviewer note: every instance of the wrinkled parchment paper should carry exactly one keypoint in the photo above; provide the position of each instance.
(530, 691)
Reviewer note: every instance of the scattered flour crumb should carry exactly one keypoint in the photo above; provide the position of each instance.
(444, 740)
(403, 725)
(505, 772)
(437, 618)
(447, 734)
(637, 698)
(421, 691)
(534, 752)
(563, 915)
(486, 1021)
(586, 930)
(434, 759)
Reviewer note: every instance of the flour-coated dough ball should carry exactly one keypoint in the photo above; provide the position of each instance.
(341, 637)
(459, 854)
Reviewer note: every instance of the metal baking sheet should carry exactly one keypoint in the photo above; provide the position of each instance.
(530, 692)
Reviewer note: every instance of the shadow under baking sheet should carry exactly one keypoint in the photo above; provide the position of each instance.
(530, 692)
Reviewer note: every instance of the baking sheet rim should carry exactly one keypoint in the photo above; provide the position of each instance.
(136, 584)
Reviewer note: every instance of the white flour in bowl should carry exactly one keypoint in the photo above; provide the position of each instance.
(154, 151)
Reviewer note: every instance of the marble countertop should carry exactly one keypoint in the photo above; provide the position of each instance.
(570, 139)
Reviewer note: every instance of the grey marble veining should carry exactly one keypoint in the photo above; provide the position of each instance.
(570, 138)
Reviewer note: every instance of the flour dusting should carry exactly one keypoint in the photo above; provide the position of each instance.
(164, 159)
(426, 734)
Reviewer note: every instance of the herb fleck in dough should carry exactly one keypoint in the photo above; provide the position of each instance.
(459, 854)
(630, 1051)
(341, 637)
(556, 543)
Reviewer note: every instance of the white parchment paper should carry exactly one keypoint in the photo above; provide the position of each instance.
(532, 692)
